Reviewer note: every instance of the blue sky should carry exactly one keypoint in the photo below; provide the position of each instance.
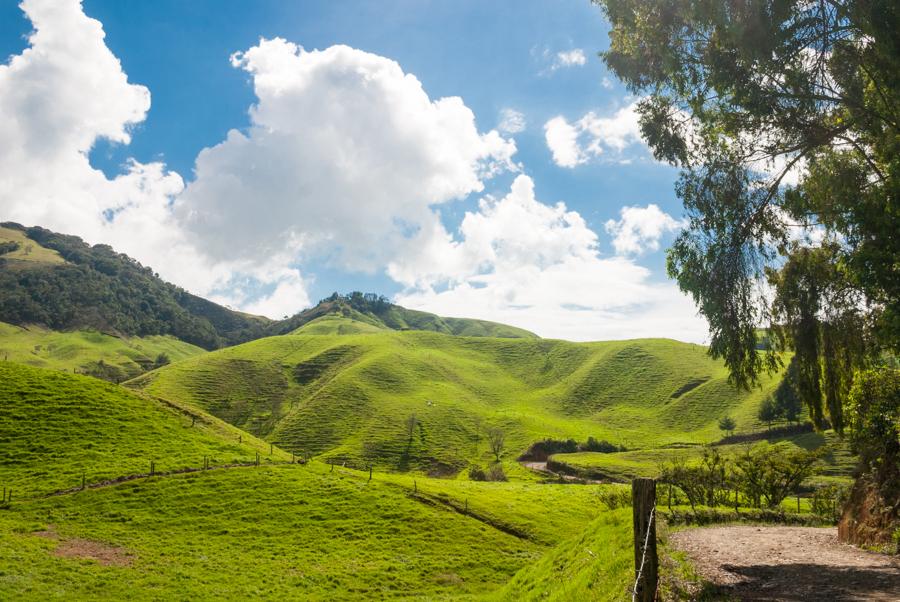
(127, 139)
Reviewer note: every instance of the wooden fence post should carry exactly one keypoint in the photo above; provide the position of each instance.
(646, 564)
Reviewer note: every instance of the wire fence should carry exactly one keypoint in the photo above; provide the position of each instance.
(640, 572)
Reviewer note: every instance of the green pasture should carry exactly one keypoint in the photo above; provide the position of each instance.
(350, 397)
(81, 350)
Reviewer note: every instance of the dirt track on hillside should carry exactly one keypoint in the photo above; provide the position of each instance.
(790, 564)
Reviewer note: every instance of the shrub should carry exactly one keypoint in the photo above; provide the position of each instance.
(873, 409)
(476, 473)
(495, 473)
(766, 474)
(539, 451)
(605, 447)
(8, 246)
(704, 482)
(828, 500)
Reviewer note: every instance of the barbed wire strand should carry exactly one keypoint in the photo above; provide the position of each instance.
(634, 590)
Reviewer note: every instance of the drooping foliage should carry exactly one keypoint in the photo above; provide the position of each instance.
(784, 117)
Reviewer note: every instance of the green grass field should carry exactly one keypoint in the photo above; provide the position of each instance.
(29, 253)
(277, 531)
(56, 428)
(343, 390)
(348, 396)
(81, 350)
(269, 533)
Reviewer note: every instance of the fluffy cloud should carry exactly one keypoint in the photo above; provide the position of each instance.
(511, 121)
(346, 157)
(523, 262)
(639, 229)
(593, 136)
(569, 58)
(562, 140)
(61, 95)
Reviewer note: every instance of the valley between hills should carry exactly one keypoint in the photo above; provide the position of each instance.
(349, 452)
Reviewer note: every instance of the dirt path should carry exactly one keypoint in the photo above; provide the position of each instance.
(788, 564)
(541, 467)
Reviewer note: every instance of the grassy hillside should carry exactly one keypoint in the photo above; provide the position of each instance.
(82, 350)
(378, 312)
(350, 396)
(295, 532)
(596, 565)
(19, 251)
(63, 283)
(56, 427)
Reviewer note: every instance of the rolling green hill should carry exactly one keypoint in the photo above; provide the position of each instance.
(350, 397)
(379, 313)
(308, 531)
(288, 532)
(57, 427)
(90, 352)
(63, 283)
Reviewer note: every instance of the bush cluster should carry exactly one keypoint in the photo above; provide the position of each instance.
(494, 472)
(541, 450)
(763, 476)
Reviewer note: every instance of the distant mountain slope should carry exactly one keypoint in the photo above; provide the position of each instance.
(91, 352)
(350, 396)
(377, 311)
(56, 427)
(63, 283)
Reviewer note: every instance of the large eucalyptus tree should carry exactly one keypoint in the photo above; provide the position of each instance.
(784, 117)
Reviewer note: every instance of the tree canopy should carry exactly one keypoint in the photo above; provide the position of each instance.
(784, 117)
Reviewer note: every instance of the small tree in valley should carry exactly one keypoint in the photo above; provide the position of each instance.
(727, 424)
(497, 441)
(768, 412)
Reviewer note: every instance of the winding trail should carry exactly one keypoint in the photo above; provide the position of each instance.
(791, 564)
(543, 469)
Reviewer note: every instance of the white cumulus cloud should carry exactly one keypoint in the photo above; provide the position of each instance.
(562, 140)
(345, 157)
(61, 95)
(640, 229)
(593, 136)
(519, 261)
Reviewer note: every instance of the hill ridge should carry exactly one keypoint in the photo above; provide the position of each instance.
(62, 283)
